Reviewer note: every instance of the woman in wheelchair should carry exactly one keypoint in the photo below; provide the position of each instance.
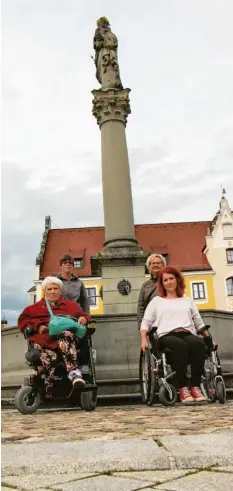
(178, 323)
(37, 317)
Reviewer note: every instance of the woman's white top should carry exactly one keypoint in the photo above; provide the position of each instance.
(169, 314)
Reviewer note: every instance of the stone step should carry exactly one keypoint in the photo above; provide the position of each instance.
(109, 389)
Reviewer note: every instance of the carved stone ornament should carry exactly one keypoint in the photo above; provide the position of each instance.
(111, 104)
(124, 287)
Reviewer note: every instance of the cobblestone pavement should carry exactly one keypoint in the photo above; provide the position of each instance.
(129, 421)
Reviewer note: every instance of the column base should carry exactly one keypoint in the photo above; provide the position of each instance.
(123, 272)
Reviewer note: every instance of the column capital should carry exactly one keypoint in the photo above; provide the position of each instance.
(111, 105)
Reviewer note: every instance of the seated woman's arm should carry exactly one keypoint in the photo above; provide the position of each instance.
(29, 319)
(197, 320)
(199, 324)
(82, 317)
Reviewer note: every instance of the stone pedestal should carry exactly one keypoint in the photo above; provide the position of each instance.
(121, 262)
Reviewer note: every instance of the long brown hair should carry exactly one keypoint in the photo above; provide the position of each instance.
(180, 289)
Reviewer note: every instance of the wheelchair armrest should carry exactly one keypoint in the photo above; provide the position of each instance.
(28, 331)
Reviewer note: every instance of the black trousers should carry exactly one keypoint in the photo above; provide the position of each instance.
(184, 349)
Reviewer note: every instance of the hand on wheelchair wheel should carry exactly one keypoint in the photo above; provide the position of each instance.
(144, 345)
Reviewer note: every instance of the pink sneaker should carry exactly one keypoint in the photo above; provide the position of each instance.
(185, 396)
(197, 395)
(76, 378)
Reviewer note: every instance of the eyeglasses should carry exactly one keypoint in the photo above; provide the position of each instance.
(67, 262)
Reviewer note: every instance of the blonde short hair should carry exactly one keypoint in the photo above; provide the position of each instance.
(51, 280)
(153, 256)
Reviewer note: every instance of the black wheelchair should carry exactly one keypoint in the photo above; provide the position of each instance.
(32, 392)
(157, 377)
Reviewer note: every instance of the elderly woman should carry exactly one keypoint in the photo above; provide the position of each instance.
(154, 263)
(178, 323)
(37, 317)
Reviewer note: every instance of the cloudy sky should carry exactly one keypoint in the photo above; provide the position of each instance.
(177, 58)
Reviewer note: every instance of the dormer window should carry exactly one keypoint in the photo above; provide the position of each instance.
(229, 253)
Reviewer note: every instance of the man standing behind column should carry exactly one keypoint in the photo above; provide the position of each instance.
(73, 287)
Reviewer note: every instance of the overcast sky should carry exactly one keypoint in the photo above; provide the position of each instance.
(177, 58)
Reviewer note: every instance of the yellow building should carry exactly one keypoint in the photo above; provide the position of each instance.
(95, 296)
(200, 287)
(219, 252)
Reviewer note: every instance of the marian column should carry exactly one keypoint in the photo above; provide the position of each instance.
(121, 262)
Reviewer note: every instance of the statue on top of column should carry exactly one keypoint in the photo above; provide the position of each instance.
(106, 62)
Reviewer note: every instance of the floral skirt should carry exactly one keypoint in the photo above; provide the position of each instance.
(66, 350)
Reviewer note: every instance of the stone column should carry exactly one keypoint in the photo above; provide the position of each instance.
(111, 109)
(121, 262)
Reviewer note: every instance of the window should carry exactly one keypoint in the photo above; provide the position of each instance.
(78, 262)
(198, 291)
(91, 294)
(230, 287)
(229, 253)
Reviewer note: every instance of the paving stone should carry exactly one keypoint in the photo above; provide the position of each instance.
(200, 451)
(203, 481)
(28, 482)
(92, 455)
(154, 476)
(104, 483)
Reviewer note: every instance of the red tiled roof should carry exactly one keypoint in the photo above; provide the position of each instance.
(183, 242)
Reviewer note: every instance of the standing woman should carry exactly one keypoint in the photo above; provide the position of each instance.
(178, 322)
(154, 263)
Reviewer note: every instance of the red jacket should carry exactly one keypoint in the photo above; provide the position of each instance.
(37, 314)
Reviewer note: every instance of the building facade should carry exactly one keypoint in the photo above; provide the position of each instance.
(219, 252)
(203, 251)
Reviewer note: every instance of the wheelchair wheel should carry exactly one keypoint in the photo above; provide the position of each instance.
(27, 400)
(209, 390)
(221, 391)
(88, 400)
(165, 397)
(146, 377)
